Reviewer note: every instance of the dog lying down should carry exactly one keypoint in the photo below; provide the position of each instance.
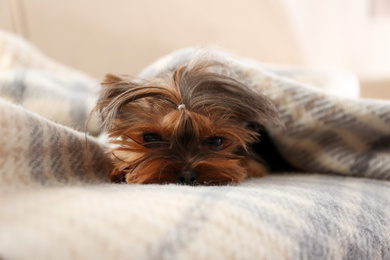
(197, 124)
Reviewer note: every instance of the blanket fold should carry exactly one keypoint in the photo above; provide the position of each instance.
(34, 150)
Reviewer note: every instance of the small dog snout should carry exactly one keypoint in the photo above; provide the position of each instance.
(188, 177)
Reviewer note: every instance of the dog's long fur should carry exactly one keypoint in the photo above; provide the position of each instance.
(174, 124)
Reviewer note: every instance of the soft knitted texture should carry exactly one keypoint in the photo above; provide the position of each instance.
(56, 201)
(277, 217)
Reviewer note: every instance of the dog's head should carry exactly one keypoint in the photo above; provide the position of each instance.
(191, 125)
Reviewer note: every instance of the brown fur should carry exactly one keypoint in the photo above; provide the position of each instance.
(216, 106)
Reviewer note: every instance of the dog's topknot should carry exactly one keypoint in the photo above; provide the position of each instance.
(205, 86)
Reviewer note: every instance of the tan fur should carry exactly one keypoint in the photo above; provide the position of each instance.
(254, 168)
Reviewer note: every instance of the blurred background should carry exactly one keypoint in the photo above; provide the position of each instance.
(124, 36)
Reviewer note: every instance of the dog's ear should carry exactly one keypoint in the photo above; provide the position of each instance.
(112, 79)
(111, 88)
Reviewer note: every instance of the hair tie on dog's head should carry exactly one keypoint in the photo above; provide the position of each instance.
(182, 106)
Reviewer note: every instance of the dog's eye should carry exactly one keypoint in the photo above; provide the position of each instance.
(151, 137)
(152, 140)
(216, 142)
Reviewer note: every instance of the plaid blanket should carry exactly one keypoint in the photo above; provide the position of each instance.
(56, 201)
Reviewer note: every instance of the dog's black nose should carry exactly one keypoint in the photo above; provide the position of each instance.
(188, 177)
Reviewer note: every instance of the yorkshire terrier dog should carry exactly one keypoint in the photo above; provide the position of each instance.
(196, 124)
